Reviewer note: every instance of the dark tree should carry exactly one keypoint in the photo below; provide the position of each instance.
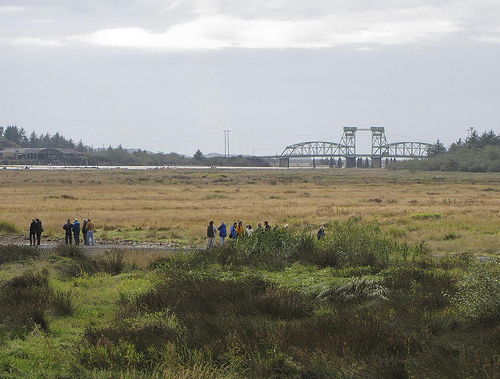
(198, 156)
(15, 134)
(437, 149)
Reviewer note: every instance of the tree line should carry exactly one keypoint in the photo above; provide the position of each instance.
(12, 136)
(477, 153)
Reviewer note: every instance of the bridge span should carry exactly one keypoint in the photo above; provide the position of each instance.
(346, 150)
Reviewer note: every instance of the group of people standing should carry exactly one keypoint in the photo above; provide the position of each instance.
(237, 229)
(73, 230)
(35, 231)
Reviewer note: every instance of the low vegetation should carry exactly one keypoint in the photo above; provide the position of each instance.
(452, 212)
(283, 304)
(478, 153)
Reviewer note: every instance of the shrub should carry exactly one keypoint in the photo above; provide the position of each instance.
(478, 295)
(356, 290)
(426, 216)
(111, 262)
(421, 288)
(24, 301)
(11, 253)
(8, 227)
(63, 303)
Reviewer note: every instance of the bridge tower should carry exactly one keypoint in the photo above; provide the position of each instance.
(379, 145)
(348, 142)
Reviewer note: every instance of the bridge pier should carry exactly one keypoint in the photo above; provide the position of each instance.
(284, 162)
(376, 162)
(350, 162)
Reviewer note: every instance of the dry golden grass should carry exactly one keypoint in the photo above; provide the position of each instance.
(176, 205)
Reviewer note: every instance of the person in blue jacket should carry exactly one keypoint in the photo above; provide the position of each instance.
(76, 231)
(232, 233)
(222, 233)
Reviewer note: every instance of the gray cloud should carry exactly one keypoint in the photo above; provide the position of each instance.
(218, 24)
(275, 72)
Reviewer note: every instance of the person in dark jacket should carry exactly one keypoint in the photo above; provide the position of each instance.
(84, 232)
(39, 231)
(321, 232)
(267, 227)
(222, 233)
(76, 231)
(68, 227)
(33, 229)
(211, 232)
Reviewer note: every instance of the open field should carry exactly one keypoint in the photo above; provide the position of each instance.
(392, 291)
(452, 212)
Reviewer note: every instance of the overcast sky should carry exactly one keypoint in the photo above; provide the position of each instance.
(170, 76)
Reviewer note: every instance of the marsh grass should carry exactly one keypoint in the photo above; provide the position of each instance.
(236, 313)
(24, 301)
(8, 227)
(118, 199)
(12, 253)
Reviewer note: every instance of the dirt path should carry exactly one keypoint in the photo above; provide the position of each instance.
(50, 243)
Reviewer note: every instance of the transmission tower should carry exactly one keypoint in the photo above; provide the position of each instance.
(226, 143)
(470, 131)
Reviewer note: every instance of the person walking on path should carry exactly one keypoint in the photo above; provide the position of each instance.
(84, 232)
(39, 231)
(211, 232)
(222, 233)
(90, 232)
(33, 229)
(68, 227)
(76, 231)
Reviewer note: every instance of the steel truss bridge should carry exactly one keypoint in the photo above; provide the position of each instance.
(346, 149)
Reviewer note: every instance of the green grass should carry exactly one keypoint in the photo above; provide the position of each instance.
(357, 304)
(8, 227)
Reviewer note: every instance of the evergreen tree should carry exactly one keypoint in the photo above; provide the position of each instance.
(33, 141)
(437, 149)
(198, 156)
(15, 134)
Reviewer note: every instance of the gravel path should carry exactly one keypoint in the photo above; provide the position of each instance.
(50, 243)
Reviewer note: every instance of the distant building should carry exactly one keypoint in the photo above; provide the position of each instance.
(44, 155)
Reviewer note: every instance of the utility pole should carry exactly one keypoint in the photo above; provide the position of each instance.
(226, 143)
(470, 131)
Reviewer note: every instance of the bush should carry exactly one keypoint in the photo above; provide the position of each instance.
(357, 290)
(11, 253)
(8, 227)
(24, 301)
(478, 295)
(111, 262)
